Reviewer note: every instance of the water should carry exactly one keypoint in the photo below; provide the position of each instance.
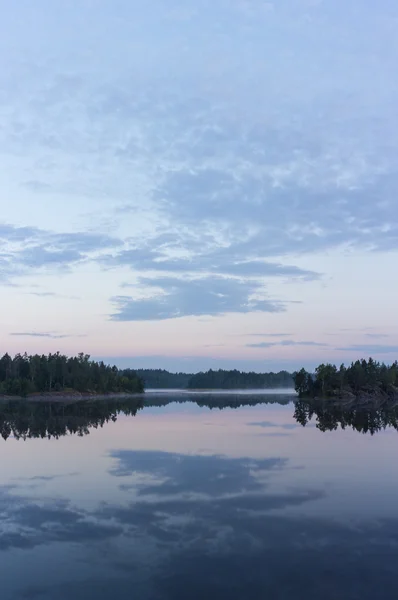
(205, 496)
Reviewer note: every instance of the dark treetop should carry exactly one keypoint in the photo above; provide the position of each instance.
(23, 375)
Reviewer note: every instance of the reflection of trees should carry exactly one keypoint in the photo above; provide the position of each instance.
(236, 401)
(220, 401)
(27, 419)
(330, 416)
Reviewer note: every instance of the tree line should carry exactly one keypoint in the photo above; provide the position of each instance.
(23, 375)
(237, 380)
(221, 379)
(361, 376)
(159, 379)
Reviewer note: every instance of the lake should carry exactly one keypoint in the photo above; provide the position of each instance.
(192, 496)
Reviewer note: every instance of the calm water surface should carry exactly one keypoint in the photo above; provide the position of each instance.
(197, 497)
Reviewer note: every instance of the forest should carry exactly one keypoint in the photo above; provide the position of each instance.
(159, 379)
(23, 375)
(226, 380)
(237, 380)
(361, 377)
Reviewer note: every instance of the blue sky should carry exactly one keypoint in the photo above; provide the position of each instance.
(188, 184)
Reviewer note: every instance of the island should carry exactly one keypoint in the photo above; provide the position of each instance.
(363, 383)
(56, 375)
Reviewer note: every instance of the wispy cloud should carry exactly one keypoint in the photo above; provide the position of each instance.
(369, 332)
(286, 343)
(45, 334)
(271, 424)
(270, 335)
(370, 349)
(214, 346)
(30, 249)
(213, 261)
(377, 335)
(52, 295)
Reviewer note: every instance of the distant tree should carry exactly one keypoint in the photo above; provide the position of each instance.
(233, 380)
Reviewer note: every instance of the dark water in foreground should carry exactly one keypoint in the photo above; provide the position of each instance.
(182, 500)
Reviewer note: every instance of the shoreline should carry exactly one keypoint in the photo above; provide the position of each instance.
(349, 400)
(70, 396)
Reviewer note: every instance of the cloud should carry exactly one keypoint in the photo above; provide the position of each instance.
(52, 295)
(179, 473)
(196, 297)
(307, 216)
(199, 532)
(37, 186)
(370, 349)
(267, 424)
(377, 335)
(44, 294)
(276, 434)
(207, 528)
(208, 172)
(211, 261)
(286, 343)
(369, 332)
(30, 249)
(293, 343)
(39, 256)
(48, 477)
(32, 522)
(276, 553)
(271, 335)
(44, 334)
(214, 346)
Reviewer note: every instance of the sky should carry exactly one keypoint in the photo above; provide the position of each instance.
(189, 184)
